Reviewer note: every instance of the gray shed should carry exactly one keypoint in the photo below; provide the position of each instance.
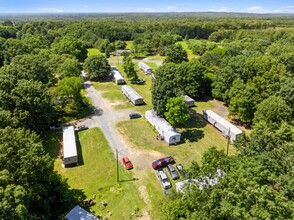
(132, 95)
(227, 129)
(78, 213)
(70, 155)
(117, 77)
(189, 101)
(170, 135)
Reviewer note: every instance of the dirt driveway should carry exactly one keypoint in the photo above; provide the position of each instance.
(106, 118)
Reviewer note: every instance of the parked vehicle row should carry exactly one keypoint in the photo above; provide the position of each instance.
(163, 162)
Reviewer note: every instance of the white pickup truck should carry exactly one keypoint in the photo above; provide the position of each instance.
(164, 180)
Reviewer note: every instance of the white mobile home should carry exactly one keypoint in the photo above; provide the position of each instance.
(227, 129)
(113, 68)
(70, 156)
(189, 101)
(78, 213)
(170, 135)
(117, 77)
(146, 69)
(132, 95)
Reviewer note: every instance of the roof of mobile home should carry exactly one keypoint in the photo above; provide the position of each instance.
(116, 75)
(144, 64)
(78, 213)
(69, 142)
(223, 122)
(161, 122)
(188, 99)
(131, 92)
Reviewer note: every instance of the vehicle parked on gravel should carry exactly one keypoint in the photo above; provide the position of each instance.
(135, 115)
(128, 164)
(81, 128)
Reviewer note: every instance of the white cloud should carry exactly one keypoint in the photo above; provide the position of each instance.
(146, 9)
(288, 7)
(256, 9)
(222, 9)
(51, 10)
(85, 6)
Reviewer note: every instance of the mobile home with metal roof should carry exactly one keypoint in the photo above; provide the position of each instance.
(189, 101)
(227, 129)
(70, 155)
(146, 69)
(170, 135)
(132, 95)
(117, 77)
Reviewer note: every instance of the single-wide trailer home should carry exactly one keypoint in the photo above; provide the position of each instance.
(170, 135)
(146, 69)
(132, 95)
(189, 101)
(117, 77)
(70, 156)
(227, 129)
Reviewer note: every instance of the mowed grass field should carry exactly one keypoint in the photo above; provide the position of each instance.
(93, 51)
(96, 175)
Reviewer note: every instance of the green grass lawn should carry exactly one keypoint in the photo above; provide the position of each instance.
(189, 52)
(130, 45)
(97, 176)
(93, 51)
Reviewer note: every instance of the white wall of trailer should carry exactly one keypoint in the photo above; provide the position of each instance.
(118, 78)
(70, 155)
(132, 95)
(189, 100)
(163, 127)
(146, 69)
(227, 129)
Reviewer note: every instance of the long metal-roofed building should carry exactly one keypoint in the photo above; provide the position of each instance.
(189, 101)
(118, 78)
(132, 95)
(70, 155)
(146, 69)
(227, 129)
(170, 135)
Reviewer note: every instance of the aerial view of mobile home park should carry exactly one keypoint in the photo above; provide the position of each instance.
(140, 112)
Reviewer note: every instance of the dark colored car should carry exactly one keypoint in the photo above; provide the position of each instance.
(163, 162)
(138, 81)
(81, 128)
(135, 115)
(173, 172)
(128, 164)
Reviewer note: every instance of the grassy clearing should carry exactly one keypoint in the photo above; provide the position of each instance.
(93, 51)
(97, 176)
(189, 52)
(198, 137)
(152, 65)
(130, 45)
(156, 57)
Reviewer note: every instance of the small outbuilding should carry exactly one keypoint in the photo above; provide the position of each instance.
(113, 68)
(78, 213)
(70, 156)
(189, 101)
(118, 78)
(132, 95)
(166, 131)
(226, 128)
(146, 69)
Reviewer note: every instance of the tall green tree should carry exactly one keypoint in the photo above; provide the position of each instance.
(97, 67)
(176, 54)
(129, 69)
(177, 112)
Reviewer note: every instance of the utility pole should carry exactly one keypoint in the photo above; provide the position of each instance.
(117, 170)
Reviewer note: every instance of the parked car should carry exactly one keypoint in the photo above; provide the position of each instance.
(163, 162)
(135, 115)
(81, 128)
(128, 164)
(138, 81)
(173, 172)
(164, 180)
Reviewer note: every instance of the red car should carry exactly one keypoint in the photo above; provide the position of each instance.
(163, 162)
(128, 164)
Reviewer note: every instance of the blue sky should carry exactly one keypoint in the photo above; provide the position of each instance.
(49, 6)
